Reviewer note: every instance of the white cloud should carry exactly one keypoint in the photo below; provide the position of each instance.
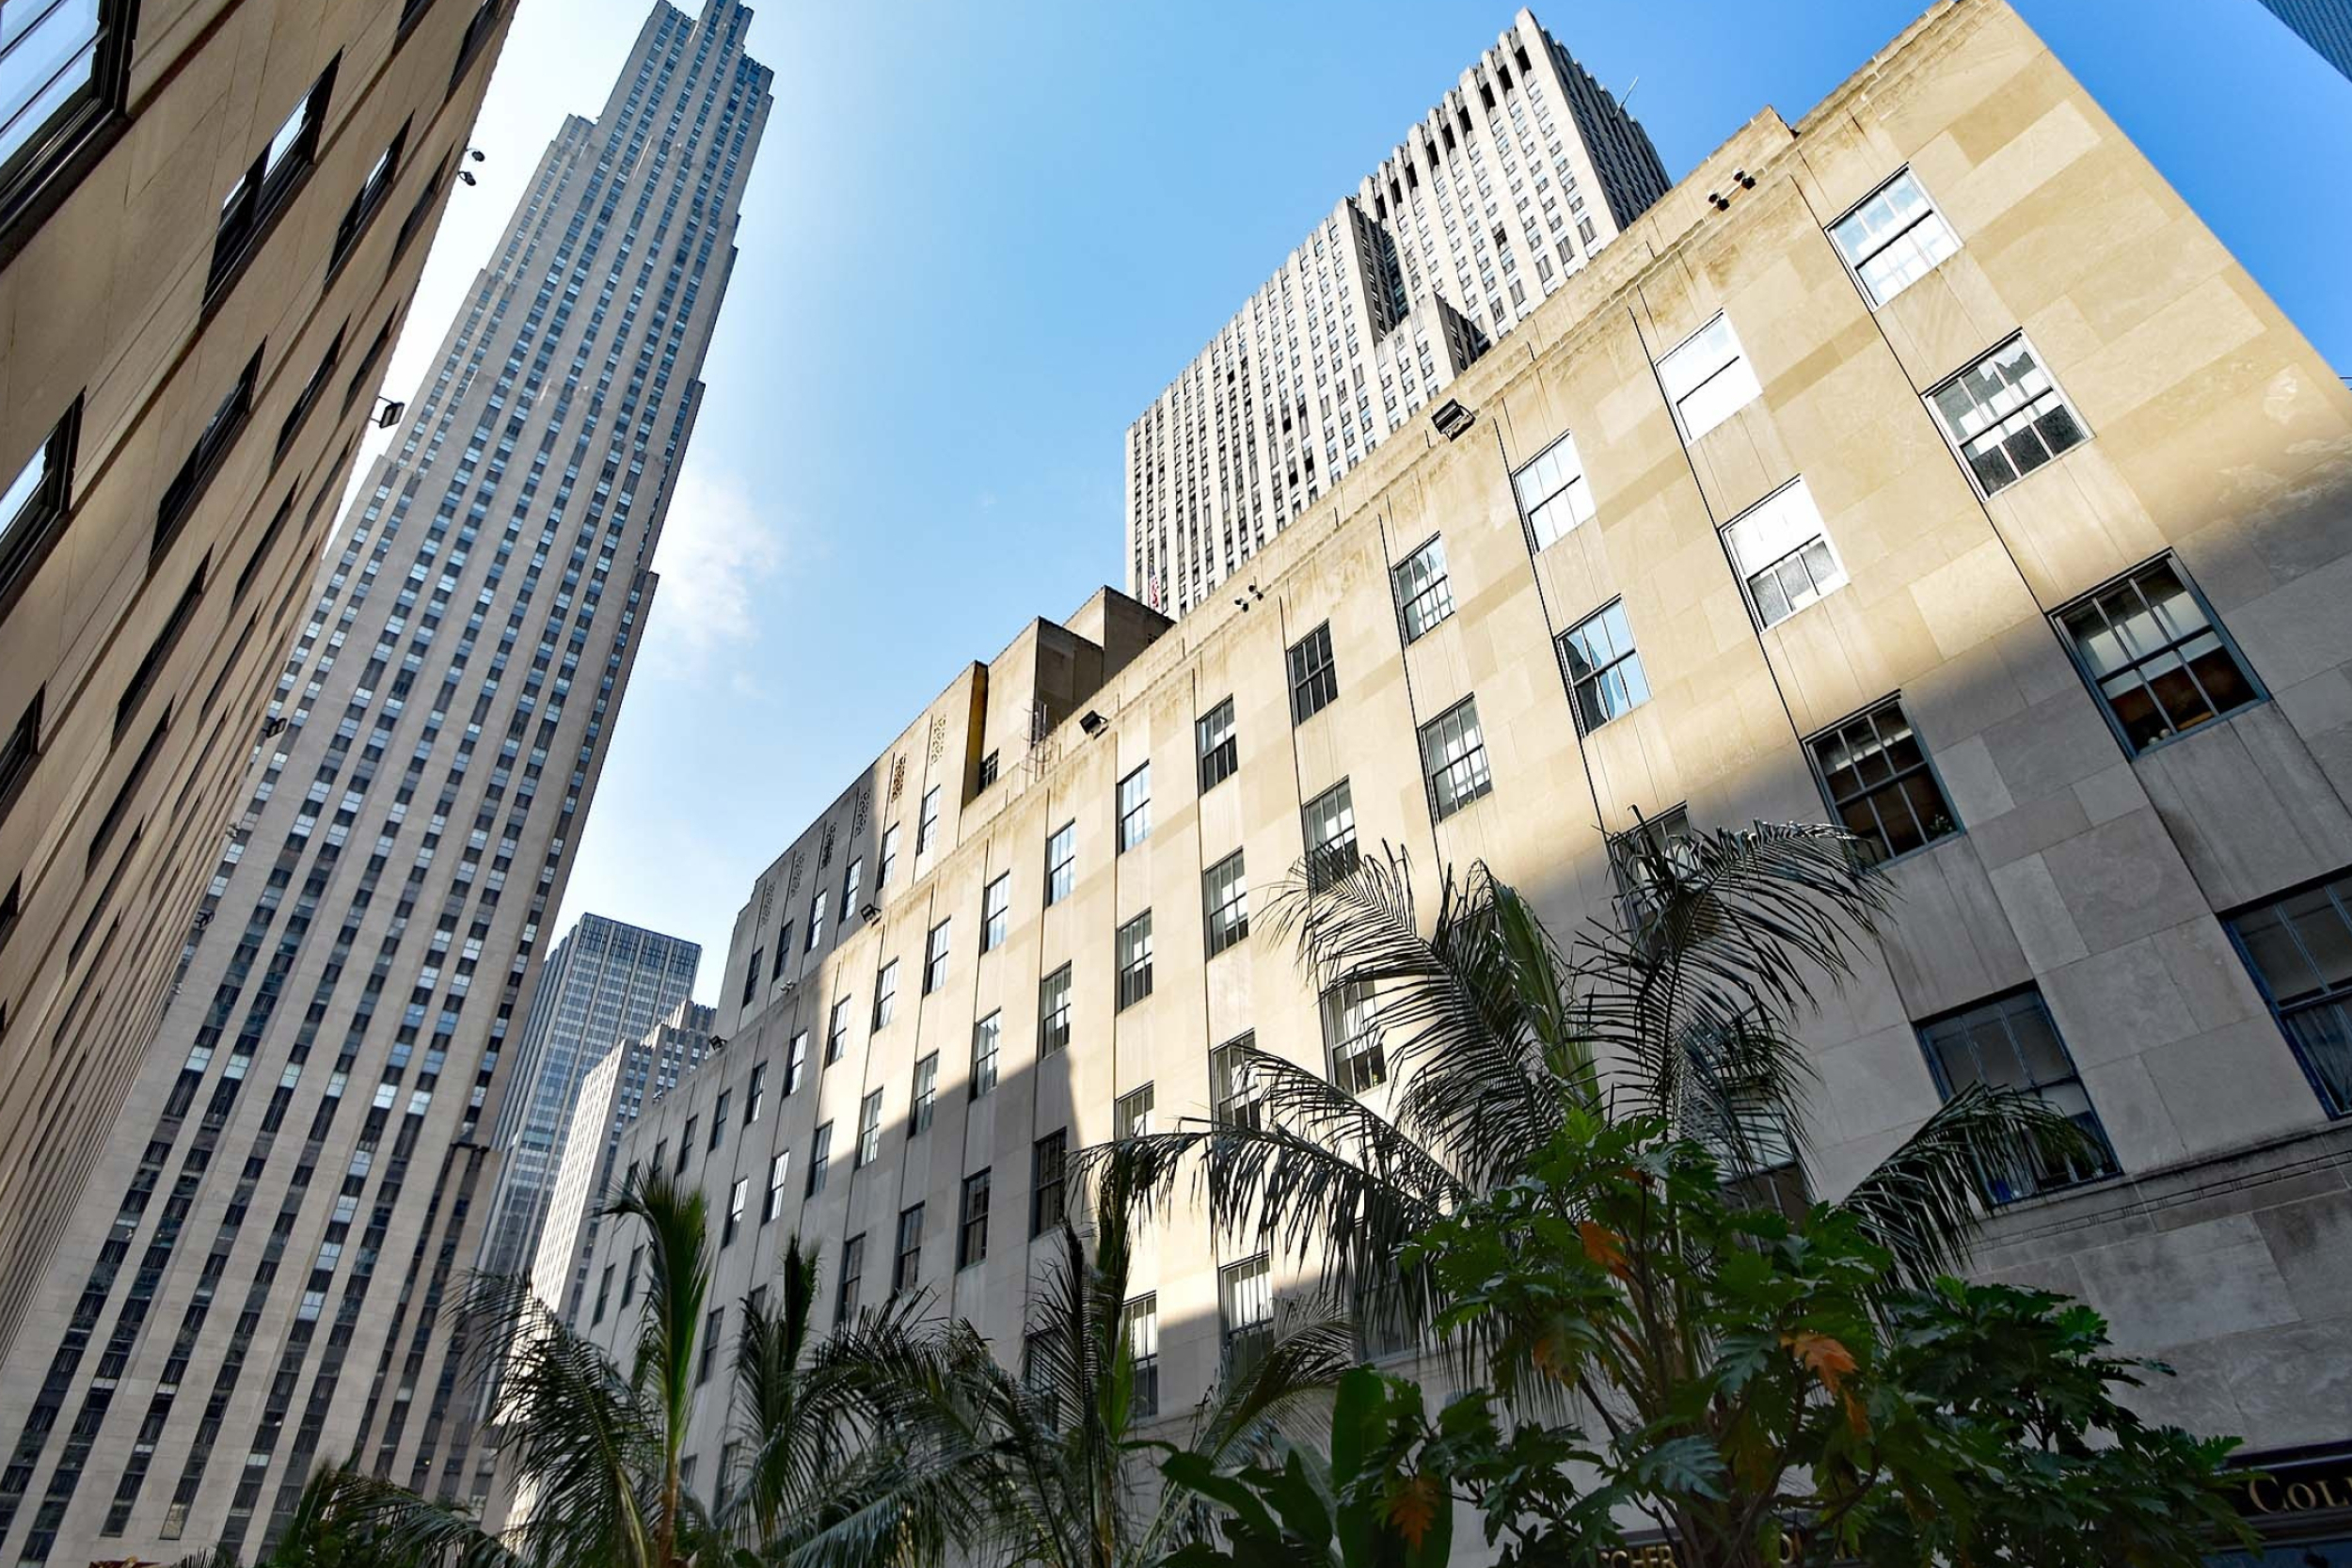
(717, 555)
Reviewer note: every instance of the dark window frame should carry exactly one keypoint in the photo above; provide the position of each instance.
(308, 399)
(2257, 693)
(972, 1220)
(1053, 1023)
(176, 626)
(38, 177)
(22, 751)
(1224, 935)
(1574, 644)
(1134, 972)
(263, 195)
(2332, 1087)
(1867, 796)
(906, 1260)
(1431, 604)
(1474, 762)
(1984, 1012)
(376, 190)
(1314, 675)
(1049, 1173)
(213, 444)
(1220, 757)
(1061, 877)
(40, 520)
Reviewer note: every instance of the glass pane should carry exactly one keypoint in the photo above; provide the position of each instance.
(2038, 1051)
(47, 59)
(2325, 937)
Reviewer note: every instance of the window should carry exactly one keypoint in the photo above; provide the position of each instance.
(1893, 239)
(1781, 552)
(478, 27)
(2151, 649)
(64, 71)
(1061, 864)
(262, 191)
(1351, 1032)
(784, 952)
(2299, 947)
(603, 1289)
(1131, 1117)
(2011, 1043)
(1708, 379)
(629, 1280)
(796, 1062)
(985, 1039)
(738, 1198)
(1454, 756)
(1236, 1084)
(685, 1145)
(751, 977)
(2006, 416)
(1605, 679)
(852, 1270)
(889, 856)
(719, 1118)
(838, 1031)
(925, 1103)
(308, 398)
(1314, 678)
(907, 1265)
(926, 825)
(819, 1157)
(1331, 852)
(816, 921)
(935, 958)
(972, 1223)
(33, 505)
(420, 211)
(365, 205)
(755, 1095)
(204, 460)
(886, 994)
(1423, 596)
(868, 1131)
(1880, 787)
(988, 770)
(996, 912)
(1385, 1322)
(1226, 897)
(1245, 1299)
(362, 379)
(1553, 495)
(152, 664)
(714, 1327)
(1052, 1012)
(1220, 750)
(1634, 856)
(1135, 808)
(1135, 959)
(779, 1172)
(1141, 1321)
(1047, 1160)
(849, 886)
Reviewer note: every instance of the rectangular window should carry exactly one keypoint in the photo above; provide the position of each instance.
(784, 952)
(1781, 550)
(64, 72)
(604, 1288)
(1142, 1321)
(1634, 856)
(1061, 864)
(369, 202)
(33, 505)
(751, 977)
(986, 1037)
(1219, 749)
(796, 1062)
(935, 958)
(886, 994)
(996, 912)
(755, 1097)
(1604, 673)
(1880, 787)
(1331, 852)
(2299, 947)
(1553, 496)
(719, 1118)
(629, 1280)
(1131, 1117)
(2150, 647)
(1424, 596)
(739, 1199)
(220, 432)
(889, 856)
(1236, 1084)
(1052, 1012)
(1707, 378)
(1135, 959)
(1047, 1160)
(143, 678)
(2012, 1043)
(262, 191)
(816, 921)
(714, 1327)
(685, 1145)
(972, 1225)
(1894, 238)
(926, 825)
(852, 1271)
(868, 1131)
(779, 1172)
(1314, 677)
(1225, 895)
(988, 770)
(1135, 808)
(819, 1157)
(308, 398)
(1385, 1322)
(924, 1104)
(1245, 1298)
(850, 885)
(2005, 415)
(1351, 1032)
(906, 1267)
(838, 1031)
(1454, 757)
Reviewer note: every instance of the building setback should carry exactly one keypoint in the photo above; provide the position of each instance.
(1927, 465)
(605, 984)
(1509, 184)
(213, 216)
(254, 1280)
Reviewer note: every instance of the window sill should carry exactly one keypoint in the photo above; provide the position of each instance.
(1956, 835)
(2214, 726)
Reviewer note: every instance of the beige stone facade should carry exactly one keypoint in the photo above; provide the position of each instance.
(198, 287)
(2104, 870)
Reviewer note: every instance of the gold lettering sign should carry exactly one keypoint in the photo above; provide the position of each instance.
(2293, 1489)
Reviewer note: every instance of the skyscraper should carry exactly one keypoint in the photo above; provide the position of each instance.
(295, 1184)
(1524, 170)
(605, 984)
(2325, 25)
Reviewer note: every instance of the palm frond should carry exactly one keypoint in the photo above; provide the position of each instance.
(678, 1278)
(389, 1524)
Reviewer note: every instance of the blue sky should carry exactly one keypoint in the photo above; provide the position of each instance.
(979, 239)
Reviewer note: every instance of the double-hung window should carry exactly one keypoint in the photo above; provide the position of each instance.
(1131, 1117)
(2151, 650)
(35, 503)
(1141, 1322)
(972, 1221)
(2011, 1043)
(819, 1158)
(204, 459)
(816, 921)
(2299, 947)
(796, 1062)
(262, 191)
(1454, 757)
(925, 1105)
(936, 956)
(927, 823)
(852, 884)
(65, 72)
(779, 1172)
(907, 1265)
(1875, 774)
(370, 200)
(1330, 821)
(1604, 672)
(738, 1198)
(1135, 959)
(1552, 493)
(996, 912)
(1314, 676)
(1246, 1313)
(1642, 857)
(837, 1030)
(1781, 550)
(852, 1271)
(1236, 1087)
(1052, 1012)
(2005, 415)
(1707, 378)
(889, 860)
(886, 994)
(1425, 597)
(1220, 750)
(1225, 897)
(1061, 864)
(1351, 1031)
(1048, 1195)
(986, 1038)
(1135, 808)
(1894, 238)
(869, 1130)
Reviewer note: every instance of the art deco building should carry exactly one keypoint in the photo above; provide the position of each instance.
(213, 215)
(254, 1278)
(606, 984)
(1925, 465)
(1507, 186)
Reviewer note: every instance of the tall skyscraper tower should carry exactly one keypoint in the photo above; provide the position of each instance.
(1524, 170)
(605, 984)
(2325, 25)
(257, 1270)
